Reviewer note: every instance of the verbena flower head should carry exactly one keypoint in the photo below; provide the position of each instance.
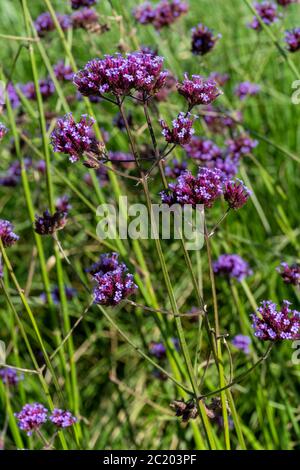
(3, 130)
(236, 194)
(240, 146)
(292, 38)
(62, 418)
(163, 14)
(46, 86)
(32, 417)
(121, 75)
(44, 23)
(13, 96)
(114, 286)
(63, 72)
(107, 262)
(84, 18)
(285, 3)
(13, 174)
(203, 39)
(198, 90)
(62, 204)
(167, 89)
(48, 224)
(267, 12)
(244, 89)
(7, 235)
(219, 120)
(273, 324)
(242, 343)
(159, 350)
(202, 149)
(232, 266)
(175, 169)
(290, 273)
(181, 131)
(204, 188)
(74, 138)
(10, 376)
(75, 4)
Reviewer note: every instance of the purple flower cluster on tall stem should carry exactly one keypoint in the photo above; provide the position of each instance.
(13, 96)
(242, 343)
(163, 14)
(268, 13)
(10, 376)
(175, 169)
(32, 417)
(240, 146)
(285, 3)
(181, 131)
(48, 224)
(63, 72)
(236, 194)
(44, 23)
(203, 39)
(244, 89)
(290, 273)
(7, 235)
(12, 175)
(292, 39)
(46, 87)
(273, 324)
(198, 90)
(76, 4)
(62, 418)
(84, 18)
(232, 266)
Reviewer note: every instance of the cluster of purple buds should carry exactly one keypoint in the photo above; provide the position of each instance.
(236, 194)
(46, 87)
(76, 4)
(10, 376)
(203, 39)
(63, 72)
(74, 139)
(163, 14)
(181, 131)
(7, 235)
(290, 274)
(159, 350)
(204, 188)
(62, 418)
(244, 89)
(242, 343)
(232, 266)
(13, 174)
(272, 324)
(113, 282)
(44, 23)
(292, 38)
(3, 130)
(240, 146)
(267, 11)
(175, 169)
(285, 3)
(84, 18)
(33, 416)
(122, 75)
(48, 224)
(202, 149)
(198, 90)
(218, 121)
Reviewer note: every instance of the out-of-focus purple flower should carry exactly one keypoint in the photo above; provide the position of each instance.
(10, 376)
(181, 131)
(175, 169)
(220, 78)
(203, 39)
(244, 89)
(41, 166)
(204, 188)
(285, 3)
(84, 18)
(74, 139)
(218, 120)
(236, 194)
(3, 130)
(62, 418)
(198, 90)
(159, 350)
(125, 160)
(240, 146)
(107, 262)
(163, 14)
(48, 224)
(7, 235)
(13, 96)
(114, 286)
(32, 417)
(44, 23)
(70, 293)
(167, 89)
(46, 86)
(267, 12)
(62, 204)
(63, 72)
(202, 149)
(242, 343)
(102, 176)
(292, 38)
(290, 274)
(75, 4)
(272, 324)
(13, 173)
(121, 75)
(118, 121)
(232, 266)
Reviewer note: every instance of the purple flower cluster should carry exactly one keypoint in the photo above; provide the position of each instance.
(84, 18)
(44, 23)
(159, 350)
(48, 224)
(163, 14)
(236, 194)
(10, 376)
(176, 169)
(70, 293)
(63, 72)
(272, 324)
(62, 204)
(267, 12)
(244, 89)
(292, 38)
(113, 282)
(240, 146)
(31, 417)
(75, 4)
(8, 237)
(46, 86)
(242, 343)
(121, 75)
(13, 96)
(232, 266)
(218, 121)
(181, 131)
(3, 130)
(204, 188)
(13, 174)
(74, 139)
(290, 274)
(125, 160)
(198, 90)
(285, 3)
(62, 418)
(203, 39)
